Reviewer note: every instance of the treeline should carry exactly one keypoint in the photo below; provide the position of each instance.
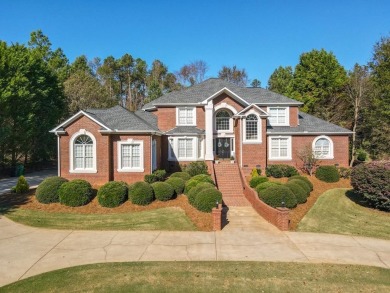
(358, 99)
(39, 87)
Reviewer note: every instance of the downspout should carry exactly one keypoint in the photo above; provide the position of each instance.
(58, 156)
(151, 154)
(240, 142)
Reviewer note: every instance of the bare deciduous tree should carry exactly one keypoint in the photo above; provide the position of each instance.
(307, 156)
(192, 73)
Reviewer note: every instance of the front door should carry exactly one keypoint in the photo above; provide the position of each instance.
(223, 147)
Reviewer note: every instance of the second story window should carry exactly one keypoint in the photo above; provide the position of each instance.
(222, 120)
(278, 116)
(251, 127)
(186, 116)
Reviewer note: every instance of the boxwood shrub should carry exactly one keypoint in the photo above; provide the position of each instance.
(299, 192)
(183, 175)
(112, 194)
(262, 186)
(275, 195)
(47, 191)
(280, 170)
(328, 174)
(198, 188)
(75, 193)
(372, 181)
(207, 198)
(195, 180)
(303, 184)
(163, 191)
(257, 180)
(304, 179)
(177, 183)
(196, 168)
(158, 175)
(141, 193)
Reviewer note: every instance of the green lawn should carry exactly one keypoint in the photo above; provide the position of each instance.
(173, 219)
(208, 277)
(341, 211)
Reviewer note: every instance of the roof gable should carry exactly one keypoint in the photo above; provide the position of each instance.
(253, 106)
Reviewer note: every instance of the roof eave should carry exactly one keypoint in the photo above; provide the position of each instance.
(117, 131)
(311, 133)
(227, 91)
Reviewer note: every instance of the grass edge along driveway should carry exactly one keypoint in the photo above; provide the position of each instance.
(341, 211)
(208, 277)
(168, 219)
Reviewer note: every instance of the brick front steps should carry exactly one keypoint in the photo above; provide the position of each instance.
(229, 183)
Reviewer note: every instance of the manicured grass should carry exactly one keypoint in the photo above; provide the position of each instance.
(208, 277)
(340, 211)
(172, 219)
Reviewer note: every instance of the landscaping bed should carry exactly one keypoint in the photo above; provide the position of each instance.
(12, 201)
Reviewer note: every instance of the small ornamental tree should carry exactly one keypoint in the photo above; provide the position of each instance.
(308, 158)
(22, 185)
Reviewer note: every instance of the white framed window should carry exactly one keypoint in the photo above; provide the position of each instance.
(130, 156)
(279, 116)
(186, 116)
(252, 129)
(323, 147)
(185, 148)
(223, 121)
(280, 148)
(82, 146)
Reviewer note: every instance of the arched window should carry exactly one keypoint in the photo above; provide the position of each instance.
(323, 147)
(251, 127)
(222, 120)
(83, 153)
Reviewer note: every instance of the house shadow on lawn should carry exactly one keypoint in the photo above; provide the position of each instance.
(11, 201)
(225, 221)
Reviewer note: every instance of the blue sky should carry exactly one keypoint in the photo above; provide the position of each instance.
(255, 35)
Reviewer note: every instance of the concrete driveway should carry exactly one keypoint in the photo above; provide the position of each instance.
(33, 179)
(27, 251)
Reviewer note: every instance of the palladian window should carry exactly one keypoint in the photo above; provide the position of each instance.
(83, 152)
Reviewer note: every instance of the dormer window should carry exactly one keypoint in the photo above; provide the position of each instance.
(279, 116)
(186, 116)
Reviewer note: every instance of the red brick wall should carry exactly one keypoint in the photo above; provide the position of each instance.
(166, 118)
(224, 98)
(293, 116)
(340, 151)
(131, 177)
(102, 152)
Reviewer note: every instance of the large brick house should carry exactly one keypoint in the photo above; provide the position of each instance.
(211, 120)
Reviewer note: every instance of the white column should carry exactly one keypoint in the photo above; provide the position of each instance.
(209, 109)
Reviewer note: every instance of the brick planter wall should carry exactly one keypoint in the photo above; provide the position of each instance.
(217, 218)
(278, 217)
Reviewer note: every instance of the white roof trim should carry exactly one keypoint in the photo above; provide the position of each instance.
(74, 117)
(262, 112)
(173, 104)
(278, 103)
(131, 131)
(227, 91)
(309, 133)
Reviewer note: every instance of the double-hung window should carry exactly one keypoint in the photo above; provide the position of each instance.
(130, 156)
(278, 116)
(185, 148)
(280, 148)
(186, 116)
(252, 126)
(83, 153)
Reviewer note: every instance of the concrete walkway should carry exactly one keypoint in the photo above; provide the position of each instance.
(27, 251)
(33, 179)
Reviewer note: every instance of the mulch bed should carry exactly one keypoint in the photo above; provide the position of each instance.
(203, 221)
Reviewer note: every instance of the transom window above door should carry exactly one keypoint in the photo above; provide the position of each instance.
(186, 116)
(222, 121)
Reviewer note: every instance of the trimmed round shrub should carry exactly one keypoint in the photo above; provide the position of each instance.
(257, 180)
(303, 184)
(207, 198)
(299, 192)
(302, 178)
(198, 188)
(280, 170)
(183, 175)
(196, 168)
(328, 174)
(372, 181)
(141, 193)
(189, 185)
(203, 178)
(112, 194)
(275, 195)
(75, 193)
(177, 183)
(163, 191)
(262, 186)
(47, 191)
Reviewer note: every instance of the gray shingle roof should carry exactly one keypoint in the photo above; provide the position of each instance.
(309, 124)
(118, 118)
(200, 92)
(185, 130)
